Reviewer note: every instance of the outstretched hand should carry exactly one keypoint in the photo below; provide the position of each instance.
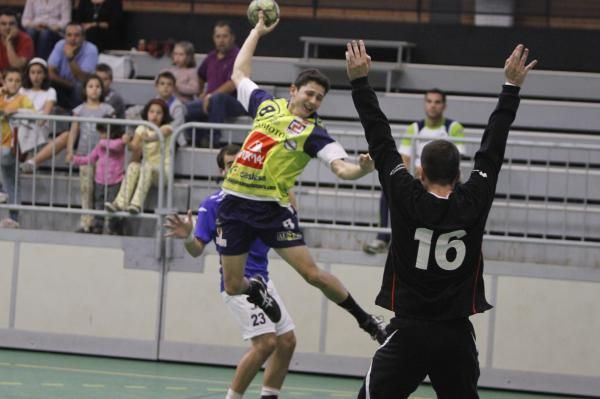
(179, 227)
(261, 28)
(515, 69)
(357, 60)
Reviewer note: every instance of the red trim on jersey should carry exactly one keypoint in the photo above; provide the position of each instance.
(473, 308)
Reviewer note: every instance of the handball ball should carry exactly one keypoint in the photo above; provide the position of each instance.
(269, 8)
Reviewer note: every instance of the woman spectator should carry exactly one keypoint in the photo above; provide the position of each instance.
(44, 21)
(187, 84)
(101, 21)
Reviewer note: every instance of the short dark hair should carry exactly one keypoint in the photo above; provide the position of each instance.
(8, 70)
(435, 90)
(10, 13)
(165, 108)
(114, 131)
(312, 75)
(85, 82)
(27, 81)
(165, 74)
(75, 23)
(223, 22)
(440, 160)
(102, 67)
(229, 149)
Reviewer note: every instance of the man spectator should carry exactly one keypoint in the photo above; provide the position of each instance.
(45, 21)
(105, 73)
(435, 125)
(16, 47)
(70, 63)
(217, 90)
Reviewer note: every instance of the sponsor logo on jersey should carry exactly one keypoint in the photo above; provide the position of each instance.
(288, 236)
(255, 150)
(290, 145)
(296, 127)
(481, 173)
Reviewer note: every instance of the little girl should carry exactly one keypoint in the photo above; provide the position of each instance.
(140, 177)
(108, 157)
(83, 137)
(36, 86)
(187, 85)
(11, 101)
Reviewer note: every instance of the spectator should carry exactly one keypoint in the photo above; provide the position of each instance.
(36, 86)
(45, 21)
(141, 176)
(16, 47)
(11, 101)
(101, 20)
(82, 138)
(184, 69)
(435, 125)
(217, 91)
(165, 89)
(105, 73)
(72, 60)
(108, 157)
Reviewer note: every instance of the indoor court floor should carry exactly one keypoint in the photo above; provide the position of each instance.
(39, 375)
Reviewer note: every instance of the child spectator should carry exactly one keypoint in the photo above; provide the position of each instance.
(187, 84)
(83, 137)
(36, 86)
(140, 177)
(105, 72)
(165, 89)
(108, 157)
(11, 101)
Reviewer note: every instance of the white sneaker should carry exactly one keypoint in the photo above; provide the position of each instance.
(8, 223)
(27, 166)
(3, 198)
(375, 247)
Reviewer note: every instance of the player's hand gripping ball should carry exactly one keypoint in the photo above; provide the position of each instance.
(269, 8)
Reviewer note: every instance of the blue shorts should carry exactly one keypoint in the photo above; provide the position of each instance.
(240, 221)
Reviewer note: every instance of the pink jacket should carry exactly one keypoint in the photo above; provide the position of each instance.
(109, 165)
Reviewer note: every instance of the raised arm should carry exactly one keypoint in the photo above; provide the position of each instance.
(350, 171)
(488, 159)
(382, 147)
(242, 68)
(183, 227)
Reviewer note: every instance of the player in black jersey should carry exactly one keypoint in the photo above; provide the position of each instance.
(433, 273)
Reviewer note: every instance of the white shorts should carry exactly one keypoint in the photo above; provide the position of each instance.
(252, 320)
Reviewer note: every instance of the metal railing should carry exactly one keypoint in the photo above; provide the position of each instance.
(546, 190)
(59, 171)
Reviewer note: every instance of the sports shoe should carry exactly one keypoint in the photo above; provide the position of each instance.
(111, 207)
(133, 209)
(3, 198)
(375, 247)
(27, 166)
(375, 326)
(8, 223)
(258, 295)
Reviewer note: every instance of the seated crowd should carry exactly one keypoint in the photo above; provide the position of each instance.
(51, 66)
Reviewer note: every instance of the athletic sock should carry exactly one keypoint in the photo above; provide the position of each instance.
(354, 308)
(233, 395)
(269, 393)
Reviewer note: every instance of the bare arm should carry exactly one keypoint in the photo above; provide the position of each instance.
(350, 171)
(14, 59)
(183, 228)
(242, 68)
(55, 77)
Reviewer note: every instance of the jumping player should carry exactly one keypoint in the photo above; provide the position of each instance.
(285, 135)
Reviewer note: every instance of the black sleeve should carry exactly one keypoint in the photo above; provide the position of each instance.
(489, 158)
(382, 147)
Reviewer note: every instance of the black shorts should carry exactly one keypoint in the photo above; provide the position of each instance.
(443, 350)
(240, 221)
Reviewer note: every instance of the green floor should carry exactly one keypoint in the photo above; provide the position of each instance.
(35, 375)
